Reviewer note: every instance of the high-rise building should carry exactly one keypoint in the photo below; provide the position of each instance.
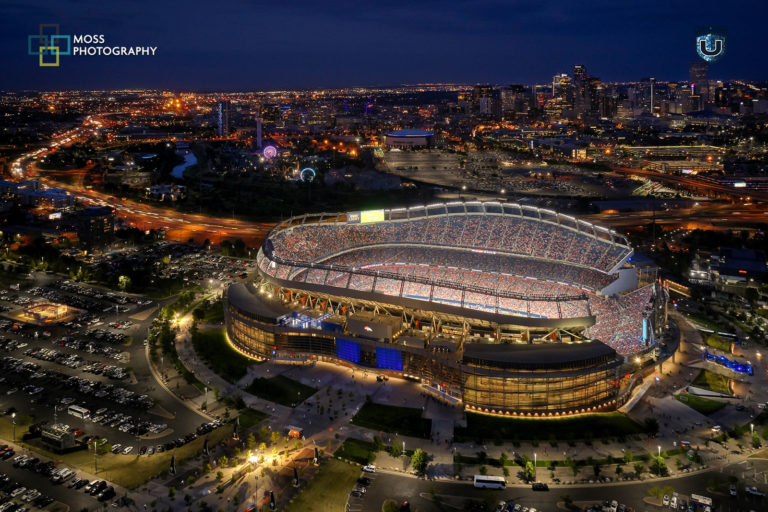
(580, 90)
(698, 77)
(514, 101)
(222, 116)
(486, 101)
(95, 226)
(259, 136)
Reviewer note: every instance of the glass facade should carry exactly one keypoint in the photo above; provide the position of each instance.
(499, 387)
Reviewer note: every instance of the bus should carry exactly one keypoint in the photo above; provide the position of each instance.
(704, 502)
(79, 412)
(490, 482)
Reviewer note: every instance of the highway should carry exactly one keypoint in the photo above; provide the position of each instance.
(181, 226)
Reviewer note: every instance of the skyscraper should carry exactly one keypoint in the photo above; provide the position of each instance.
(580, 90)
(698, 76)
(222, 115)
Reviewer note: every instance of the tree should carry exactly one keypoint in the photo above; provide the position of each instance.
(628, 456)
(389, 506)
(651, 426)
(529, 472)
(171, 492)
(275, 437)
(123, 282)
(659, 466)
(419, 461)
(223, 461)
(503, 459)
(263, 433)
(397, 447)
(251, 440)
(219, 476)
(619, 470)
(198, 314)
(207, 468)
(262, 446)
(639, 469)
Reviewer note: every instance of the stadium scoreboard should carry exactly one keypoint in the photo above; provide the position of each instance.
(365, 217)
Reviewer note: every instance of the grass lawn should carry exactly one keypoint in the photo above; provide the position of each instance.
(212, 346)
(281, 390)
(718, 342)
(405, 421)
(713, 381)
(484, 427)
(704, 405)
(126, 470)
(328, 490)
(214, 313)
(250, 417)
(704, 322)
(362, 452)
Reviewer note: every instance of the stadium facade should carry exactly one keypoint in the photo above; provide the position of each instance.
(504, 308)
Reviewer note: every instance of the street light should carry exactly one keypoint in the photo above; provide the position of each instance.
(751, 429)
(659, 450)
(534, 467)
(13, 418)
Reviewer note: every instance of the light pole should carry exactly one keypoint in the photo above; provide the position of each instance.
(534, 467)
(659, 447)
(13, 418)
(752, 429)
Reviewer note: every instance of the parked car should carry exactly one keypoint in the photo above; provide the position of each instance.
(369, 468)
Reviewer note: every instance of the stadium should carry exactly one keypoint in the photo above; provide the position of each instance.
(500, 307)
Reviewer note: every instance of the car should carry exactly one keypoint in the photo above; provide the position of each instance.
(673, 502)
(501, 506)
(753, 491)
(363, 480)
(732, 489)
(7, 455)
(106, 494)
(665, 500)
(716, 428)
(127, 450)
(72, 483)
(683, 506)
(369, 468)
(540, 486)
(356, 494)
(82, 483)
(18, 491)
(98, 487)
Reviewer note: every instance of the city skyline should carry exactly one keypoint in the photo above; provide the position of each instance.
(255, 47)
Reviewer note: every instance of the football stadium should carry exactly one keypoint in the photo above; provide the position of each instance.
(499, 307)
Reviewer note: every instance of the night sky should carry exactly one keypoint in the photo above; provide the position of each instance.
(254, 45)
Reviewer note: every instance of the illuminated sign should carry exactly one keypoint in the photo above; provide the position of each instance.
(739, 184)
(372, 216)
(54, 215)
(353, 218)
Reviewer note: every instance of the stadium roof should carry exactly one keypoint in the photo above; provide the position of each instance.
(543, 355)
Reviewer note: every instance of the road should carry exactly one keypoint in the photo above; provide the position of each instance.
(419, 492)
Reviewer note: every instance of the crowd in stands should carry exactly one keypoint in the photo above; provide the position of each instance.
(511, 234)
(619, 320)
